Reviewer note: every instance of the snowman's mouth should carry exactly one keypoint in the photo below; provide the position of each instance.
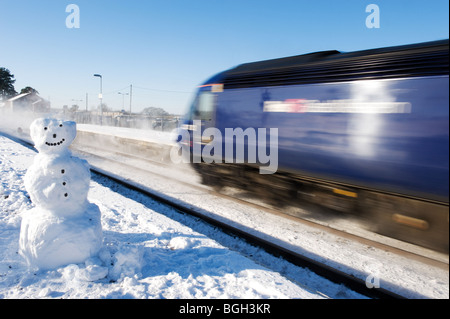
(55, 144)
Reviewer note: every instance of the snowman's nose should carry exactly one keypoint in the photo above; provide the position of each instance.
(54, 135)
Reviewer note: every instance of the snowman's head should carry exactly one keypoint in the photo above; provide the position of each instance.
(52, 136)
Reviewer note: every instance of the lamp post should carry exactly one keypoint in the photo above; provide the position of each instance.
(131, 95)
(100, 96)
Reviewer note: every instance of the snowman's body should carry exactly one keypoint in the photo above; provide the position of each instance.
(58, 182)
(63, 227)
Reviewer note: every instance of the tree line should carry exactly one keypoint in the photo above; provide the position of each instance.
(7, 89)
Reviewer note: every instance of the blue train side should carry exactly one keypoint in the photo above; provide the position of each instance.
(361, 130)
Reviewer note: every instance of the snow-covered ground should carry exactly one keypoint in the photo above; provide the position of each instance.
(151, 251)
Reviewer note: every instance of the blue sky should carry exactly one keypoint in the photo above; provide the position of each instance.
(165, 48)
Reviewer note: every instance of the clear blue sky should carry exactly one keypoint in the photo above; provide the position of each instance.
(165, 48)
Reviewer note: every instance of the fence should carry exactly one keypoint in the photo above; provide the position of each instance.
(140, 121)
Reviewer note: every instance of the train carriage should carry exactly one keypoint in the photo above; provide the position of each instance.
(364, 131)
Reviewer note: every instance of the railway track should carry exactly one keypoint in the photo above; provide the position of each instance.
(357, 284)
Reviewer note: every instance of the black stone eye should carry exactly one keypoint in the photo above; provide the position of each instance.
(60, 125)
(45, 128)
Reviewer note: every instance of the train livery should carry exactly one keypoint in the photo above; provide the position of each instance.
(364, 131)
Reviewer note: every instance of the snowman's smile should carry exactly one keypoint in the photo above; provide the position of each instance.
(55, 144)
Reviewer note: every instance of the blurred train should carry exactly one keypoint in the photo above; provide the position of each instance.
(363, 132)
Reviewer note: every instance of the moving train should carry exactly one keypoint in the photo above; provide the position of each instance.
(363, 132)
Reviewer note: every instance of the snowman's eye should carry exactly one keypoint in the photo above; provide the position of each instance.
(60, 125)
(45, 128)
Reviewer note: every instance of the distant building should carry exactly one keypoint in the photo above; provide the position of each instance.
(28, 102)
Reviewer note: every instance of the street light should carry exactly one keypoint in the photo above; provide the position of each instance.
(100, 96)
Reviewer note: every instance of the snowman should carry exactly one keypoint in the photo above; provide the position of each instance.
(64, 227)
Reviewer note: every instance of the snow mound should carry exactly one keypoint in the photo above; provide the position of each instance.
(48, 241)
(181, 243)
(127, 262)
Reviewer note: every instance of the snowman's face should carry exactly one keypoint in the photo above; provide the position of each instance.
(51, 135)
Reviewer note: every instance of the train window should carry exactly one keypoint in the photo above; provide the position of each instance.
(205, 106)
